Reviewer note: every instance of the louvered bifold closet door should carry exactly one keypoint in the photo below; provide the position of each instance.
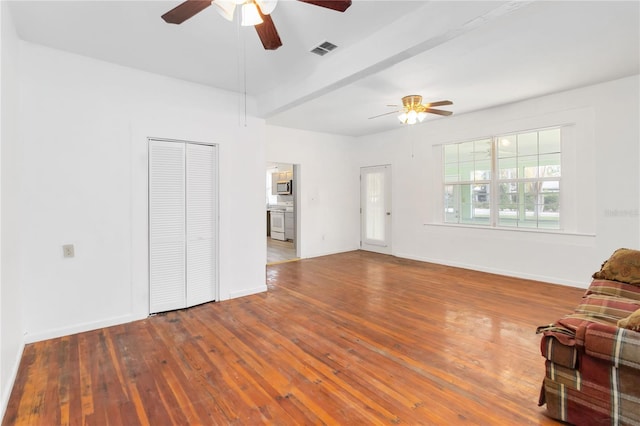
(201, 223)
(166, 226)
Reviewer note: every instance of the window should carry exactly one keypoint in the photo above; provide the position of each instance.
(509, 181)
(271, 197)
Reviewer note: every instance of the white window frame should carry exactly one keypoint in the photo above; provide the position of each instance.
(495, 181)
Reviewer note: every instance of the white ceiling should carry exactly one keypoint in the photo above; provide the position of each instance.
(477, 54)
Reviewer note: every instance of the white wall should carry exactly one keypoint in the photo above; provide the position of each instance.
(602, 158)
(11, 338)
(329, 188)
(84, 128)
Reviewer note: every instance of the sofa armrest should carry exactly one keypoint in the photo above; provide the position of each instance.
(619, 346)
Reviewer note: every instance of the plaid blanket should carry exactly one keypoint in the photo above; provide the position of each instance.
(602, 395)
(593, 367)
(618, 346)
(614, 288)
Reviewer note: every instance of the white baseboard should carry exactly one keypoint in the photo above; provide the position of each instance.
(79, 328)
(329, 253)
(508, 273)
(247, 292)
(8, 387)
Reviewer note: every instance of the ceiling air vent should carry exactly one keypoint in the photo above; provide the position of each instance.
(323, 48)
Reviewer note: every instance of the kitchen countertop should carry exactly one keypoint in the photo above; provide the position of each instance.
(287, 209)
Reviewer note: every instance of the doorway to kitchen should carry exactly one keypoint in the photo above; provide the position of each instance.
(375, 209)
(282, 214)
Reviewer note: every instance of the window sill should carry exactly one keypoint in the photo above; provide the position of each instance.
(498, 229)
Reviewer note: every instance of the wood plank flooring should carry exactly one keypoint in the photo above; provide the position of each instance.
(280, 251)
(354, 338)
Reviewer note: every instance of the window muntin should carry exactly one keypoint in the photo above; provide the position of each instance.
(510, 181)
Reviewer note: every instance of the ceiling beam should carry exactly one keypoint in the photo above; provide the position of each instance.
(391, 45)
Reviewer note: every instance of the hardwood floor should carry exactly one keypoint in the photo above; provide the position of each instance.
(280, 251)
(354, 338)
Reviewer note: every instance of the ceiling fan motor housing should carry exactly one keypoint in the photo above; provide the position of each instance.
(411, 102)
(413, 109)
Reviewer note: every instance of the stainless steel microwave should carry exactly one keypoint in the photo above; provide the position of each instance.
(284, 187)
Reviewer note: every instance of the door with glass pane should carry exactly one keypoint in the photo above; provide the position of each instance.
(375, 209)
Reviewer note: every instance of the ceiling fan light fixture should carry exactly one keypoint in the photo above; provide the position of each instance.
(225, 8)
(250, 15)
(412, 117)
(266, 6)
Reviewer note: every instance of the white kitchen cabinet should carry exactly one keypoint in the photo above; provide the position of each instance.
(288, 175)
(289, 228)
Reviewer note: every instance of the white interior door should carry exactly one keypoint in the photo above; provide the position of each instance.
(201, 224)
(182, 225)
(167, 247)
(375, 209)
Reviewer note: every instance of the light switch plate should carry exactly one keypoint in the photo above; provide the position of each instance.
(68, 250)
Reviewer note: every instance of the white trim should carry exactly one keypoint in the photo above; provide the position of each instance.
(247, 292)
(80, 328)
(332, 252)
(149, 138)
(6, 391)
(497, 271)
(503, 228)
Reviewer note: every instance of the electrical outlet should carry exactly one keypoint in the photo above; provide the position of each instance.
(68, 250)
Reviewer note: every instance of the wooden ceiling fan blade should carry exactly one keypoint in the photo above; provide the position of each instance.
(439, 103)
(185, 10)
(339, 5)
(437, 111)
(382, 115)
(268, 33)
